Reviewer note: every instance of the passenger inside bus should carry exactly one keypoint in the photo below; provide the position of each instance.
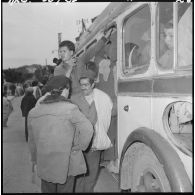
(137, 42)
(166, 60)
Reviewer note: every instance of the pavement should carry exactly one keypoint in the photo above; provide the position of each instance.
(17, 168)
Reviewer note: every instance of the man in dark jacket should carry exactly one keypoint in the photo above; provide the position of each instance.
(28, 102)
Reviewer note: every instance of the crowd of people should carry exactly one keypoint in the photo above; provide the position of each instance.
(67, 123)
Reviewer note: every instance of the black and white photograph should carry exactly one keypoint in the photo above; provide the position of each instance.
(97, 96)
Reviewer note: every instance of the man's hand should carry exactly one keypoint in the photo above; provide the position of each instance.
(108, 33)
(72, 61)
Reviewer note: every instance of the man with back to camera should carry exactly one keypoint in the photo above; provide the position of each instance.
(58, 132)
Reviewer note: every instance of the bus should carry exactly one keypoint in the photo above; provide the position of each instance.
(147, 65)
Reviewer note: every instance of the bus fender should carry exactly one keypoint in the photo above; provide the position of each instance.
(174, 168)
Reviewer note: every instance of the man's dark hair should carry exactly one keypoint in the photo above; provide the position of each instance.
(69, 44)
(92, 66)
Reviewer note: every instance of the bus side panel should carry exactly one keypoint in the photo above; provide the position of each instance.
(133, 112)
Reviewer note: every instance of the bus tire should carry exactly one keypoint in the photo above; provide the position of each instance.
(148, 174)
(166, 155)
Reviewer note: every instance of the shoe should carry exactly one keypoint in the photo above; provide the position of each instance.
(113, 166)
(104, 164)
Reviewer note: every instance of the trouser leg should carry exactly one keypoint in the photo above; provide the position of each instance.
(48, 187)
(88, 181)
(68, 186)
(79, 185)
(111, 153)
(26, 128)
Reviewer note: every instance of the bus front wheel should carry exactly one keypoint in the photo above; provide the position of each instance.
(148, 173)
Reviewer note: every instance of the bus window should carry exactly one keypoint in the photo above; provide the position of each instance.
(165, 43)
(136, 42)
(184, 34)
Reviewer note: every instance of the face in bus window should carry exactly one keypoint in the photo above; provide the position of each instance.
(166, 60)
(169, 37)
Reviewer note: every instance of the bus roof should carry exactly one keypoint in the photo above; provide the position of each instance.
(107, 15)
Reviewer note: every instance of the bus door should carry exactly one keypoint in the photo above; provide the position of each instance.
(134, 72)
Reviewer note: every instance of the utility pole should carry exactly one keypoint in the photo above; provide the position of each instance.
(59, 38)
(59, 41)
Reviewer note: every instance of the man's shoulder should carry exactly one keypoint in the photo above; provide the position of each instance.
(69, 107)
(76, 96)
(101, 92)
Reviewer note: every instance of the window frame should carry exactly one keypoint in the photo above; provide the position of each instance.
(125, 19)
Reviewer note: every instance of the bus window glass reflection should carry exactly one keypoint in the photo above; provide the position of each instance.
(137, 41)
(184, 34)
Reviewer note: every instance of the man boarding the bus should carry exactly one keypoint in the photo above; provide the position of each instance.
(97, 107)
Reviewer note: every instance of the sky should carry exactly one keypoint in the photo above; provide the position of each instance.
(30, 30)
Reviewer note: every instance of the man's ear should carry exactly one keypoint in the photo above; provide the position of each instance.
(93, 85)
(72, 52)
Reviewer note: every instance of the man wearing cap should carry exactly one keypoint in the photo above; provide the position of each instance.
(96, 106)
(58, 132)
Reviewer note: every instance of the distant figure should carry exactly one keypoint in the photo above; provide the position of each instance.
(7, 107)
(12, 88)
(27, 103)
(36, 90)
(19, 90)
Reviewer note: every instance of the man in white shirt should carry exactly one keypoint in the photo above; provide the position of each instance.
(96, 105)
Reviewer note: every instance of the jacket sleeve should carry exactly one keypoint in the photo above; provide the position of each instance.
(83, 128)
(91, 53)
(31, 143)
(90, 112)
